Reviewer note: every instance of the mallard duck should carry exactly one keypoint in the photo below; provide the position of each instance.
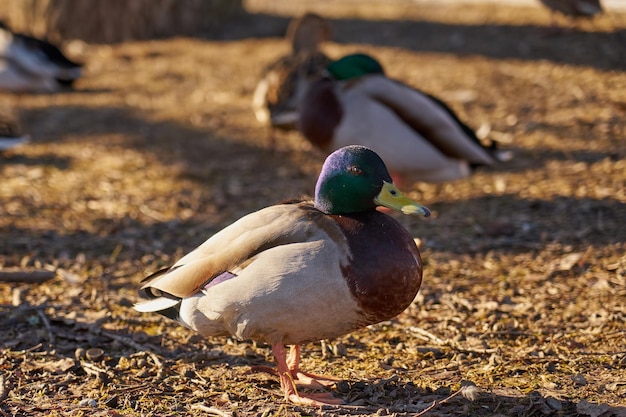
(576, 8)
(300, 271)
(10, 134)
(283, 82)
(29, 64)
(417, 135)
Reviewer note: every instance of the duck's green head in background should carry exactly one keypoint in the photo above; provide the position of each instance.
(354, 66)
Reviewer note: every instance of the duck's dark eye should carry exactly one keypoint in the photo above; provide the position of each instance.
(354, 170)
(393, 192)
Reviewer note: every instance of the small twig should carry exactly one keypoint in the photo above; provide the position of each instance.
(427, 334)
(436, 403)
(475, 350)
(155, 359)
(130, 342)
(351, 409)
(27, 307)
(4, 392)
(153, 214)
(46, 323)
(125, 340)
(468, 391)
(36, 276)
(211, 410)
(131, 389)
(384, 381)
(17, 296)
(32, 350)
(92, 369)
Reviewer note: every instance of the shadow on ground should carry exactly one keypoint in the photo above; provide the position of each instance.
(599, 50)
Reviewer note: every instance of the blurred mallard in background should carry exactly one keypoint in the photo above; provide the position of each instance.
(576, 8)
(284, 81)
(417, 135)
(28, 64)
(571, 8)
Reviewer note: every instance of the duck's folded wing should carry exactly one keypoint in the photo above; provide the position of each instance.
(428, 116)
(232, 246)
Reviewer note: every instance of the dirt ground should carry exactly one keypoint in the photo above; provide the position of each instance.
(524, 290)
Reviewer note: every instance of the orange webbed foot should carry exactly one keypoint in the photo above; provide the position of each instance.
(291, 377)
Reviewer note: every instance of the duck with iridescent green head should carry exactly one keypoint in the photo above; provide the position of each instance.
(301, 271)
(417, 135)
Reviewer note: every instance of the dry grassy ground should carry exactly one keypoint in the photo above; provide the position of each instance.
(524, 290)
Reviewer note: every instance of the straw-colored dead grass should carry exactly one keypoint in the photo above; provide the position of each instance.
(524, 288)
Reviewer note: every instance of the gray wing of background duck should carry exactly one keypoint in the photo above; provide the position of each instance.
(430, 117)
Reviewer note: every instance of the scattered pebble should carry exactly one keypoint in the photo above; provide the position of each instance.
(140, 337)
(339, 349)
(124, 363)
(342, 387)
(579, 379)
(88, 402)
(112, 402)
(94, 354)
(79, 353)
(554, 404)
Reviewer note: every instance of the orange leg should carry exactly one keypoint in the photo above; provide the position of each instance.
(289, 373)
(307, 379)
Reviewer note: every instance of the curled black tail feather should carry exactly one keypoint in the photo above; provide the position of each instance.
(149, 293)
